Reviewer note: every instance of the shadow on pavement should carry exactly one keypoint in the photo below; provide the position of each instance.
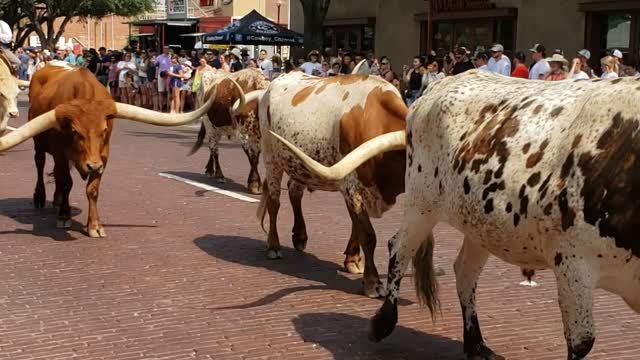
(185, 137)
(204, 179)
(345, 336)
(44, 220)
(250, 252)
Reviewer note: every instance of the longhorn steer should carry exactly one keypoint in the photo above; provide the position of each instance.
(220, 122)
(329, 118)
(542, 175)
(71, 118)
(8, 93)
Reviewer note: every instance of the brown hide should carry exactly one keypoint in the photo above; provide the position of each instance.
(227, 94)
(383, 112)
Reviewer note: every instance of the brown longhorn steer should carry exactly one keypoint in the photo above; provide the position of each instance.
(71, 118)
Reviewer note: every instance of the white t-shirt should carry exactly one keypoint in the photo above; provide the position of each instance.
(484, 67)
(308, 67)
(267, 68)
(539, 69)
(125, 66)
(609, 75)
(502, 66)
(581, 75)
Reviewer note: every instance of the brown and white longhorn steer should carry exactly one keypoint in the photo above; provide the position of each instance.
(219, 121)
(328, 118)
(71, 118)
(543, 175)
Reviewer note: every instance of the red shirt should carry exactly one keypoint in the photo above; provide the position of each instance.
(521, 71)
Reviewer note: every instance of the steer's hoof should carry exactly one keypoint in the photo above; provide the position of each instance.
(63, 224)
(97, 232)
(484, 353)
(299, 243)
(375, 290)
(274, 254)
(254, 188)
(354, 265)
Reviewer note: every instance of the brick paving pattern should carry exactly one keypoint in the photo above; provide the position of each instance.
(183, 275)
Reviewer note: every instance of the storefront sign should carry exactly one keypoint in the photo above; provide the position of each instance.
(458, 5)
(176, 9)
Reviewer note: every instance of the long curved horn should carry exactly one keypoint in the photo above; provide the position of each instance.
(134, 113)
(25, 132)
(241, 101)
(249, 97)
(22, 83)
(357, 68)
(387, 142)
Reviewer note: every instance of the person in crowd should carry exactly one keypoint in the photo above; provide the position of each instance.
(23, 56)
(152, 80)
(631, 70)
(213, 58)
(6, 37)
(143, 79)
(197, 77)
(126, 67)
(69, 56)
(163, 62)
(175, 74)
(461, 61)
(245, 57)
(347, 64)
(335, 70)
(576, 72)
(224, 63)
(80, 58)
(45, 57)
(235, 63)
(194, 58)
(618, 59)
(31, 66)
(584, 55)
(519, 68)
(387, 73)
(265, 64)
(481, 60)
(433, 73)
(609, 67)
(103, 61)
(252, 64)
(187, 84)
(276, 61)
(113, 77)
(413, 78)
(557, 63)
(93, 63)
(312, 66)
(499, 63)
(540, 68)
(324, 71)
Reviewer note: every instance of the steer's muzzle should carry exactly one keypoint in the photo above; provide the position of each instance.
(94, 167)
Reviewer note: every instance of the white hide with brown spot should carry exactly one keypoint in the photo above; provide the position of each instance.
(8, 96)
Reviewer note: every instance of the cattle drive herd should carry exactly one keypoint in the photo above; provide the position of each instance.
(543, 176)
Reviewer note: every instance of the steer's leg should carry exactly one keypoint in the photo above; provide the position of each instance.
(39, 194)
(353, 262)
(94, 226)
(299, 231)
(208, 170)
(253, 182)
(416, 228)
(468, 266)
(64, 183)
(575, 284)
(271, 200)
(367, 238)
(214, 145)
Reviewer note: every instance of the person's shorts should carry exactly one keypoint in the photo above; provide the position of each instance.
(122, 84)
(163, 85)
(142, 80)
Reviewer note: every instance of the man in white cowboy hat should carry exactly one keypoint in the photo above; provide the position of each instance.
(312, 66)
(540, 68)
(499, 63)
(236, 60)
(557, 63)
(6, 37)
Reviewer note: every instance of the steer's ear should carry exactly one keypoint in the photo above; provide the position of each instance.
(64, 117)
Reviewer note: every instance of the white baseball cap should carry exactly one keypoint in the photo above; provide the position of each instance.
(497, 47)
(585, 53)
(617, 53)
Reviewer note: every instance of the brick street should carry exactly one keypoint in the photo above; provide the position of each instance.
(183, 274)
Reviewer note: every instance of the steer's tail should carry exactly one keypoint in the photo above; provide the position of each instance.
(262, 207)
(424, 276)
(199, 141)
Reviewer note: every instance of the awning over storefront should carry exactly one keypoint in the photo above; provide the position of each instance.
(255, 29)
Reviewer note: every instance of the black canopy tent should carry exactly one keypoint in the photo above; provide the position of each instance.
(254, 29)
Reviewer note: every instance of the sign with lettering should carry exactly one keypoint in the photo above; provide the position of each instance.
(459, 5)
(176, 9)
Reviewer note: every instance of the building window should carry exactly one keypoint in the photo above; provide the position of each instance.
(613, 29)
(474, 34)
(356, 38)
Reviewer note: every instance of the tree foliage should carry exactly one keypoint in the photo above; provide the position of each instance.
(314, 13)
(39, 16)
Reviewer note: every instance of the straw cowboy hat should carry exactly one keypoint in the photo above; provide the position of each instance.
(313, 52)
(557, 58)
(236, 52)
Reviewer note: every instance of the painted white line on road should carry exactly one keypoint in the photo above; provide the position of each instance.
(209, 188)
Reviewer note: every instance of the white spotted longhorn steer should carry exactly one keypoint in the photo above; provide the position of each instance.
(219, 121)
(329, 118)
(543, 175)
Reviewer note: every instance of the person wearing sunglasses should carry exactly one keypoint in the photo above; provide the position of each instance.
(499, 63)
